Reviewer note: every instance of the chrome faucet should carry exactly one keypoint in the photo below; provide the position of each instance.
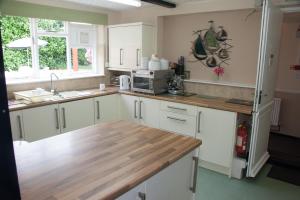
(52, 89)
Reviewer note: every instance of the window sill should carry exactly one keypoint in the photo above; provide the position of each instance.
(40, 80)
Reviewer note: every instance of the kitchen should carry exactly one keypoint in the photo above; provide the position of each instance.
(202, 103)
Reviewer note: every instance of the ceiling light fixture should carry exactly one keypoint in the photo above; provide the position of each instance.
(128, 2)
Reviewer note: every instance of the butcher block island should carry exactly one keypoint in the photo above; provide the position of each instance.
(115, 160)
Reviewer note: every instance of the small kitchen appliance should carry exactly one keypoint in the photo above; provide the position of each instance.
(124, 82)
(150, 81)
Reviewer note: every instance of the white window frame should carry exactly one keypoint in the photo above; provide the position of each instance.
(35, 34)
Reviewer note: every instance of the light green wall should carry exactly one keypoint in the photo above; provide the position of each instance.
(12, 7)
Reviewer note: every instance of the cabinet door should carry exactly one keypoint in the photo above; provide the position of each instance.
(41, 122)
(116, 47)
(106, 108)
(149, 112)
(16, 123)
(76, 114)
(134, 194)
(130, 108)
(216, 129)
(174, 182)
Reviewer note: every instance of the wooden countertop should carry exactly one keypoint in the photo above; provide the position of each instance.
(15, 105)
(215, 103)
(97, 162)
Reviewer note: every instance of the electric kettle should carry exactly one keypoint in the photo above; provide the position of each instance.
(124, 82)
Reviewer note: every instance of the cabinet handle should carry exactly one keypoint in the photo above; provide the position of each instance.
(64, 117)
(172, 107)
(20, 126)
(176, 119)
(121, 56)
(140, 110)
(56, 117)
(135, 101)
(137, 57)
(142, 195)
(193, 188)
(199, 121)
(98, 109)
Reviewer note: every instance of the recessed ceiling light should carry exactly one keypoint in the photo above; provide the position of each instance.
(128, 2)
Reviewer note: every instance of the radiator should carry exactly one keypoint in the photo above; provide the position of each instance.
(275, 112)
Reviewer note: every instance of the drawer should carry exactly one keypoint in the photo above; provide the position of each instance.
(178, 108)
(178, 123)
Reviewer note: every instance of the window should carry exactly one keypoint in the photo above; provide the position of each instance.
(35, 48)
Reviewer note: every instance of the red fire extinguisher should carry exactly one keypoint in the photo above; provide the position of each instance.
(241, 140)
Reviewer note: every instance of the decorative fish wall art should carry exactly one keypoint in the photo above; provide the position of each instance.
(211, 48)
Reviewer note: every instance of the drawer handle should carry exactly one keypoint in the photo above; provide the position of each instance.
(98, 109)
(56, 118)
(176, 119)
(20, 127)
(193, 188)
(199, 121)
(140, 110)
(142, 195)
(172, 107)
(135, 101)
(64, 118)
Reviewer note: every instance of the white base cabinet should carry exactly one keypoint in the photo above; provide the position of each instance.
(140, 110)
(16, 124)
(107, 108)
(76, 114)
(176, 182)
(216, 128)
(41, 122)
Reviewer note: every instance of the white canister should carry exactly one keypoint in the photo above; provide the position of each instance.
(154, 63)
(164, 64)
(145, 63)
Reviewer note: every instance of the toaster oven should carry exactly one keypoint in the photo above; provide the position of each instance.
(150, 81)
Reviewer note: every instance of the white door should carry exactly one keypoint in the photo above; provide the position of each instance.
(76, 114)
(130, 108)
(176, 182)
(265, 85)
(106, 108)
(16, 123)
(216, 128)
(41, 122)
(149, 112)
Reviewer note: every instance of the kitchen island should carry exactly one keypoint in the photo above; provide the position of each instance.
(115, 160)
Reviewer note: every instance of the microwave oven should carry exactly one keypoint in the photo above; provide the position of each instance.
(150, 81)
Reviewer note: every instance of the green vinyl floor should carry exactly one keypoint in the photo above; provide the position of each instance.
(215, 186)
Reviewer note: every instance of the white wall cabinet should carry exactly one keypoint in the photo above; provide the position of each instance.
(16, 123)
(41, 122)
(140, 110)
(76, 114)
(216, 128)
(176, 182)
(128, 43)
(106, 108)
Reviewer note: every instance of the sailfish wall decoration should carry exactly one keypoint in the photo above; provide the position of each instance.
(211, 48)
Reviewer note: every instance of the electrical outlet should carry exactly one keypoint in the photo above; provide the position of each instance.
(297, 75)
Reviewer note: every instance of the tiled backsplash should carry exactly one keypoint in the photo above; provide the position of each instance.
(220, 90)
(61, 85)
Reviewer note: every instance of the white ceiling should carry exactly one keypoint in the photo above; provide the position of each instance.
(116, 6)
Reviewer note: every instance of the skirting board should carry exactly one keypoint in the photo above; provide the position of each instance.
(215, 167)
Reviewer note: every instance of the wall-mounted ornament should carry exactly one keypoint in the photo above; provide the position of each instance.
(211, 48)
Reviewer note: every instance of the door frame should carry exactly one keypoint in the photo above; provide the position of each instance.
(9, 185)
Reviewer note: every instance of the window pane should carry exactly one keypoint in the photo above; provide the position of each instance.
(16, 46)
(82, 59)
(47, 25)
(52, 55)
